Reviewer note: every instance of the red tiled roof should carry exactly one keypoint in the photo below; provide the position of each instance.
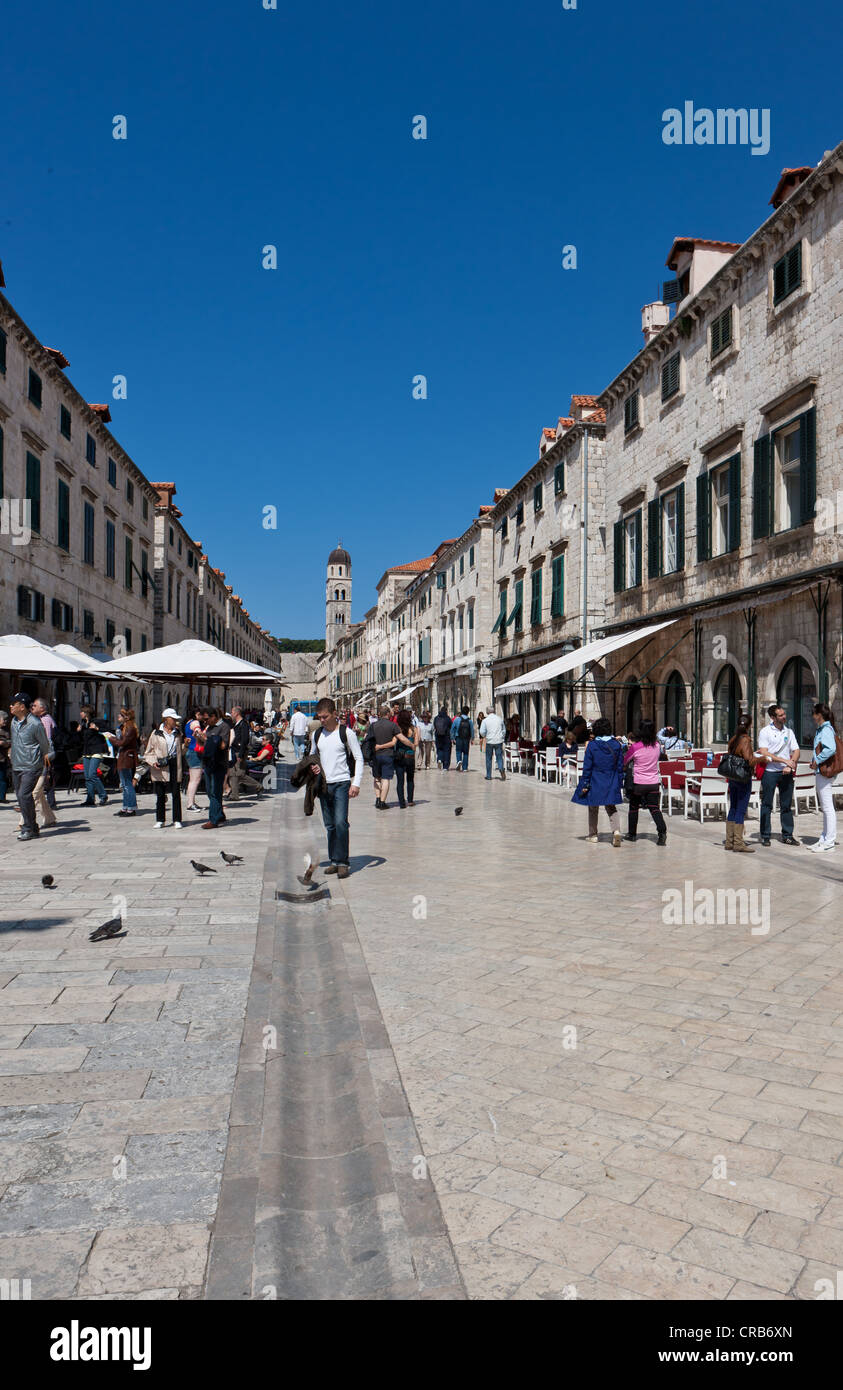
(102, 411)
(566, 421)
(56, 355)
(487, 509)
(415, 566)
(583, 400)
(795, 176)
(551, 434)
(499, 493)
(687, 243)
(597, 417)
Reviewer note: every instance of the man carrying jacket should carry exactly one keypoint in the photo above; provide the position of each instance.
(30, 756)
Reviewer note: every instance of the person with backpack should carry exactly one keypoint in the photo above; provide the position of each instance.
(404, 757)
(829, 751)
(462, 733)
(341, 765)
(442, 738)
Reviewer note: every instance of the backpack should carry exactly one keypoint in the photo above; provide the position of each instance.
(464, 731)
(349, 756)
(442, 725)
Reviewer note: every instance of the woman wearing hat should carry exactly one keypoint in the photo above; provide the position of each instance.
(163, 756)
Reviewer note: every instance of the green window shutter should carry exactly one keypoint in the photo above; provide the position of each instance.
(735, 502)
(808, 473)
(654, 538)
(500, 620)
(762, 491)
(63, 507)
(794, 267)
(55, 613)
(33, 490)
(557, 597)
(536, 597)
(618, 556)
(559, 479)
(638, 528)
(680, 527)
(703, 517)
(670, 377)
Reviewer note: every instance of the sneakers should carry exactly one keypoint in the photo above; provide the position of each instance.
(342, 871)
(159, 825)
(591, 839)
(616, 839)
(789, 840)
(662, 838)
(819, 848)
(177, 825)
(503, 776)
(26, 835)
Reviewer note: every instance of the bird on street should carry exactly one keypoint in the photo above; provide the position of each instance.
(231, 858)
(48, 881)
(202, 868)
(107, 930)
(458, 810)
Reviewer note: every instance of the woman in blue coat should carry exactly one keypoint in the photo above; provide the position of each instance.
(600, 783)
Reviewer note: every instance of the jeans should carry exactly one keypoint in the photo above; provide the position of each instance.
(334, 802)
(161, 789)
(462, 755)
(825, 800)
(769, 782)
(403, 770)
(130, 800)
(24, 783)
(4, 780)
(497, 750)
(425, 751)
(299, 746)
(93, 783)
(443, 750)
(739, 794)
(213, 786)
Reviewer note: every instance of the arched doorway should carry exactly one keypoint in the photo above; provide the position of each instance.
(796, 690)
(726, 701)
(674, 702)
(633, 707)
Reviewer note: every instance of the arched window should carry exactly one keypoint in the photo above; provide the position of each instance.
(336, 593)
(674, 702)
(126, 701)
(796, 690)
(633, 706)
(726, 696)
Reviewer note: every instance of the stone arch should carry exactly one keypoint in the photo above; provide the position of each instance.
(770, 681)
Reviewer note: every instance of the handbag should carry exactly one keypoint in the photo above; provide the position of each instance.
(629, 777)
(834, 764)
(736, 768)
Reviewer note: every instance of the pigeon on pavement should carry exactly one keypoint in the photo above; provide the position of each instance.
(108, 929)
(458, 810)
(231, 858)
(48, 881)
(202, 868)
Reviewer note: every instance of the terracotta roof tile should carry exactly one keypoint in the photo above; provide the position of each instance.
(583, 400)
(102, 411)
(795, 176)
(687, 243)
(414, 566)
(549, 434)
(57, 356)
(566, 421)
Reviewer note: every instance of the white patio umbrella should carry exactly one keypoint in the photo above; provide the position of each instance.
(87, 664)
(193, 660)
(26, 657)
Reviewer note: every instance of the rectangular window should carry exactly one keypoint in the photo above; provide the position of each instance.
(460, 624)
(471, 557)
(143, 641)
(130, 492)
(519, 514)
(453, 574)
(145, 508)
(500, 620)
(91, 450)
(719, 509)
(668, 533)
(145, 573)
(721, 331)
(440, 580)
(538, 498)
(87, 623)
(31, 605)
(516, 617)
(462, 566)
(2, 478)
(536, 598)
(670, 377)
(62, 515)
(33, 490)
(35, 388)
(127, 633)
(504, 528)
(127, 562)
(88, 533)
(470, 612)
(558, 479)
(793, 468)
(632, 550)
(110, 631)
(170, 592)
(112, 472)
(787, 273)
(62, 616)
(109, 550)
(557, 593)
(630, 412)
(64, 421)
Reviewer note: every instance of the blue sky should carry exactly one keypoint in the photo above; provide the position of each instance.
(396, 256)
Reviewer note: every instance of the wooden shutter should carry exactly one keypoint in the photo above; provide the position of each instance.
(33, 490)
(703, 517)
(654, 538)
(670, 377)
(557, 599)
(40, 608)
(55, 613)
(638, 541)
(680, 527)
(618, 556)
(808, 469)
(23, 601)
(793, 273)
(762, 492)
(735, 502)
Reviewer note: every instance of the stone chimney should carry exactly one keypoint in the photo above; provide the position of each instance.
(654, 317)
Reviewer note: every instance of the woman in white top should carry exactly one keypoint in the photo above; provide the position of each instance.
(825, 747)
(425, 744)
(163, 756)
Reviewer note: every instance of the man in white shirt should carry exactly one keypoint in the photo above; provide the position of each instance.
(298, 733)
(778, 749)
(332, 743)
(492, 734)
(425, 728)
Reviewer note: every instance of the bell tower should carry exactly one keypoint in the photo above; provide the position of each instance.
(337, 596)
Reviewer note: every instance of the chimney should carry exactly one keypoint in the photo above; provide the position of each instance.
(654, 317)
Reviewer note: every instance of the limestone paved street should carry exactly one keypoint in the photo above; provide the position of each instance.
(496, 1071)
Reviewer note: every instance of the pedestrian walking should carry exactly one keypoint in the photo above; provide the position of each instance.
(212, 747)
(492, 735)
(462, 734)
(382, 734)
(778, 749)
(641, 760)
(163, 756)
(5, 747)
(442, 738)
(298, 733)
(126, 743)
(194, 762)
(739, 760)
(42, 793)
(94, 749)
(404, 757)
(425, 748)
(826, 753)
(341, 767)
(30, 751)
(600, 782)
(238, 775)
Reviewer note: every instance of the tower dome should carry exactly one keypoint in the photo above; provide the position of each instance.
(339, 556)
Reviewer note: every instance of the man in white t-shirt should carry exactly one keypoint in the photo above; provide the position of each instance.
(778, 748)
(492, 734)
(333, 743)
(298, 733)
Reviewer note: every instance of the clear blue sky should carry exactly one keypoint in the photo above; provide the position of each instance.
(246, 127)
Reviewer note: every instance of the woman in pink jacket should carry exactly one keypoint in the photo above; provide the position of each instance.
(647, 780)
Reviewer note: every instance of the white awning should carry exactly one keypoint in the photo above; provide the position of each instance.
(543, 676)
(405, 694)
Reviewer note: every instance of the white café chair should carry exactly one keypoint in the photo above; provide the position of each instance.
(805, 788)
(708, 788)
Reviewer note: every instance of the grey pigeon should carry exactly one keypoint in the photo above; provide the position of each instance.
(108, 929)
(48, 881)
(458, 810)
(202, 868)
(231, 858)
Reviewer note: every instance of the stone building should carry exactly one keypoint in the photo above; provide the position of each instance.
(723, 477)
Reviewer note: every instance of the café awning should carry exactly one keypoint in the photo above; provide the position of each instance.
(543, 676)
(192, 660)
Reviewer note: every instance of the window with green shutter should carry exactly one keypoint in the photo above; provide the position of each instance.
(559, 479)
(35, 389)
(703, 518)
(500, 621)
(536, 598)
(63, 514)
(787, 273)
(504, 528)
(654, 538)
(670, 377)
(88, 533)
(762, 490)
(557, 591)
(516, 617)
(630, 412)
(2, 475)
(109, 550)
(538, 497)
(721, 331)
(462, 566)
(632, 550)
(790, 472)
(618, 556)
(470, 611)
(64, 421)
(127, 563)
(471, 557)
(110, 630)
(519, 514)
(91, 450)
(33, 491)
